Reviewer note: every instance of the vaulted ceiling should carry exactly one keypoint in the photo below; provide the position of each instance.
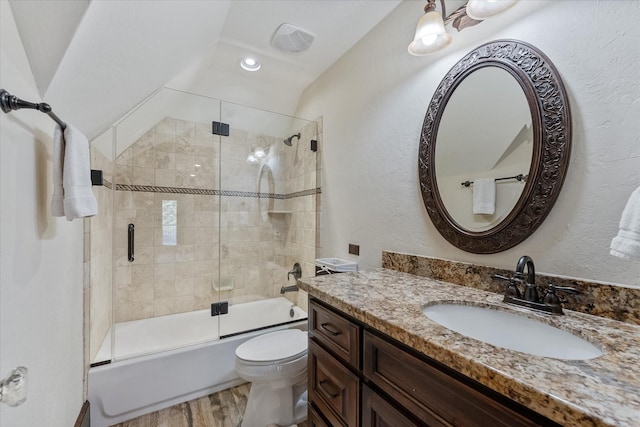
(94, 61)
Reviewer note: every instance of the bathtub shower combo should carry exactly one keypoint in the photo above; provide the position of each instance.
(203, 213)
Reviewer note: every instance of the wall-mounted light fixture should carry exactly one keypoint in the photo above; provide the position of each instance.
(483, 9)
(430, 33)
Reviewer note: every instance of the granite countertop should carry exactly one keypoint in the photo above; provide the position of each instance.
(597, 392)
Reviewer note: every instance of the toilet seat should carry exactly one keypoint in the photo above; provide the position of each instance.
(274, 347)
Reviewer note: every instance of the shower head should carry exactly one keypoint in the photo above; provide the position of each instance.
(289, 140)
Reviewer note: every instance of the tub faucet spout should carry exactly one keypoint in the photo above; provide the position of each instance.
(292, 288)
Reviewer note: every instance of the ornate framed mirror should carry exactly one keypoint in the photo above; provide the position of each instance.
(501, 114)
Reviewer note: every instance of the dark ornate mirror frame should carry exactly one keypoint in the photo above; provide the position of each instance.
(551, 119)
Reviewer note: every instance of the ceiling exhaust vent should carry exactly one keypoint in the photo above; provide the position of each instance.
(291, 39)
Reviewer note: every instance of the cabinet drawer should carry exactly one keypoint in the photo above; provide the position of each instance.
(333, 389)
(426, 391)
(313, 419)
(337, 333)
(378, 412)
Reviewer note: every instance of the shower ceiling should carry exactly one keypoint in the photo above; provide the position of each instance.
(134, 47)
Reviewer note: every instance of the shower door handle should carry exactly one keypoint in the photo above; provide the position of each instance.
(130, 243)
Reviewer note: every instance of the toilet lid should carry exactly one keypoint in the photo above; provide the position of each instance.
(274, 346)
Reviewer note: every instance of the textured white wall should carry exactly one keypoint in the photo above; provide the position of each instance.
(40, 259)
(373, 101)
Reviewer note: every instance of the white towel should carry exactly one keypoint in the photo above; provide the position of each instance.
(627, 243)
(57, 205)
(484, 196)
(72, 175)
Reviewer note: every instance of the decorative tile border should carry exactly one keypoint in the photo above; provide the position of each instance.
(303, 193)
(209, 192)
(599, 299)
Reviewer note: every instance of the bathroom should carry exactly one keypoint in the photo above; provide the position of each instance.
(372, 108)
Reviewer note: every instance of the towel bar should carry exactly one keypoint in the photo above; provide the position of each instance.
(520, 177)
(10, 102)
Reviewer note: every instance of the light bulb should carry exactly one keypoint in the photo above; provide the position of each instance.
(431, 35)
(483, 9)
(430, 39)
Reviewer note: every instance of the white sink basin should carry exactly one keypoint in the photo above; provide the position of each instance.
(511, 331)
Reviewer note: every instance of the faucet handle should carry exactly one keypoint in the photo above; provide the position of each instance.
(551, 298)
(564, 289)
(516, 278)
(512, 287)
(296, 272)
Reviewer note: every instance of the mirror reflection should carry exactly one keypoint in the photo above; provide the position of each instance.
(485, 134)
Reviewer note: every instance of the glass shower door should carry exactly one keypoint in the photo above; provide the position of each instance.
(267, 216)
(166, 201)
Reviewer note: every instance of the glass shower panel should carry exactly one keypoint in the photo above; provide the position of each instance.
(166, 202)
(267, 216)
(100, 241)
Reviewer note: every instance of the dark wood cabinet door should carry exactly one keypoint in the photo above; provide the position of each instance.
(431, 394)
(332, 388)
(377, 412)
(336, 333)
(314, 419)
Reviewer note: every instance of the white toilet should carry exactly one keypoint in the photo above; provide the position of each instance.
(276, 365)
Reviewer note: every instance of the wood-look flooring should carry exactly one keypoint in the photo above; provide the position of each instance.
(221, 409)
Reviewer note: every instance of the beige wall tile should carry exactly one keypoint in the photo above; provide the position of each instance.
(185, 129)
(122, 275)
(142, 310)
(184, 270)
(142, 273)
(167, 125)
(203, 131)
(143, 176)
(143, 157)
(165, 178)
(163, 306)
(164, 289)
(206, 146)
(165, 160)
(142, 292)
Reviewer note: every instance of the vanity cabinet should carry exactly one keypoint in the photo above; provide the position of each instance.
(359, 376)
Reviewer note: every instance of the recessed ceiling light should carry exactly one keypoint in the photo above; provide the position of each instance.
(250, 64)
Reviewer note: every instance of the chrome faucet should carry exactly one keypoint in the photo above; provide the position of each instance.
(550, 303)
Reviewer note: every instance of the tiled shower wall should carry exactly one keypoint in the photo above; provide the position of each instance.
(304, 173)
(239, 227)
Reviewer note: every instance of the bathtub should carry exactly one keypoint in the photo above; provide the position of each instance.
(165, 360)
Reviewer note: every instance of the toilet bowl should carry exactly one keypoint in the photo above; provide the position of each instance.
(276, 365)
